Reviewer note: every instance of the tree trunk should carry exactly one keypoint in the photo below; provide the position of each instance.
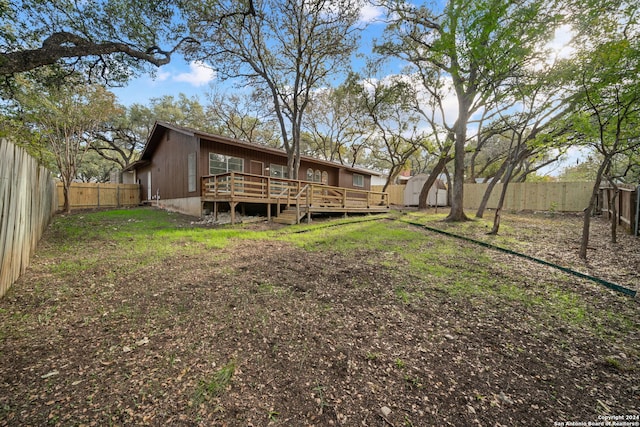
(503, 194)
(66, 190)
(422, 199)
(589, 209)
(489, 190)
(457, 198)
(457, 208)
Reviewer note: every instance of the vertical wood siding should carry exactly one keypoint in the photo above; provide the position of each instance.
(170, 166)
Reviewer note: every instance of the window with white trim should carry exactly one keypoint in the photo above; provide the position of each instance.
(358, 180)
(278, 171)
(309, 174)
(219, 163)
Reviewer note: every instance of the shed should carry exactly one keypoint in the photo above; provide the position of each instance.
(437, 195)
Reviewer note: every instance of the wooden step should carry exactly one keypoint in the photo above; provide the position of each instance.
(288, 216)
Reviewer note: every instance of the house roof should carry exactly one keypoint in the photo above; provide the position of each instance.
(159, 127)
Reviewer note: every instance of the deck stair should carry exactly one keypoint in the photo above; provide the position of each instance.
(289, 216)
(301, 198)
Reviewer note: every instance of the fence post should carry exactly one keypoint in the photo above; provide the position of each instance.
(637, 233)
(118, 196)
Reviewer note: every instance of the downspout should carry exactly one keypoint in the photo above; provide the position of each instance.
(637, 233)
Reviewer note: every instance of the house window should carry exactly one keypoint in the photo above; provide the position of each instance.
(278, 171)
(219, 163)
(318, 176)
(191, 166)
(325, 177)
(358, 180)
(309, 174)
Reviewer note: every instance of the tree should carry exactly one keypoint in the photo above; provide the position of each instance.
(470, 49)
(530, 129)
(288, 49)
(606, 76)
(582, 171)
(65, 116)
(243, 116)
(95, 168)
(107, 39)
(336, 125)
(394, 124)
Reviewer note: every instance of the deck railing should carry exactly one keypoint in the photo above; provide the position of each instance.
(239, 185)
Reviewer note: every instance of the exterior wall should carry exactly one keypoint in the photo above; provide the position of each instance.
(166, 175)
(346, 180)
(142, 178)
(169, 166)
(266, 159)
(129, 177)
(332, 172)
(188, 205)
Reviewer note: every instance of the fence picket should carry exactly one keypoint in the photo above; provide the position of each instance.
(27, 203)
(87, 195)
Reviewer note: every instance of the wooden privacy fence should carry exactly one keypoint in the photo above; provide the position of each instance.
(395, 192)
(527, 196)
(27, 203)
(626, 205)
(533, 196)
(86, 195)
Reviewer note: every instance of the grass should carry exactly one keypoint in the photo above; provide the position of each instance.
(410, 287)
(216, 385)
(135, 238)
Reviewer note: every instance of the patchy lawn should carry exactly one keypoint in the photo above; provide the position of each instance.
(139, 317)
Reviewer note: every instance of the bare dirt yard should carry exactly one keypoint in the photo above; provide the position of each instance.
(140, 317)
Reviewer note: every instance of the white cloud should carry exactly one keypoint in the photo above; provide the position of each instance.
(370, 13)
(199, 74)
(162, 76)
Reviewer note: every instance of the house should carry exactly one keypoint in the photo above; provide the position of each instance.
(192, 172)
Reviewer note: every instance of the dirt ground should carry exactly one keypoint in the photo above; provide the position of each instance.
(267, 333)
(556, 238)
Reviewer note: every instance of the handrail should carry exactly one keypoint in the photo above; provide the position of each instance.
(286, 190)
(297, 198)
(245, 185)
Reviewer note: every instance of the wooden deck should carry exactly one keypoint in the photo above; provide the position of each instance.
(299, 198)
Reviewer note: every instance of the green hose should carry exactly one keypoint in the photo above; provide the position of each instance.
(597, 280)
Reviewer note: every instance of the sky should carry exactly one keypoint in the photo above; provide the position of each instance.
(197, 79)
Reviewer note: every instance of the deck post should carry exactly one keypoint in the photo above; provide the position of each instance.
(215, 211)
(269, 212)
(233, 212)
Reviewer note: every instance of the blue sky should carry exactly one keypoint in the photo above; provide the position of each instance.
(194, 79)
(177, 77)
(197, 79)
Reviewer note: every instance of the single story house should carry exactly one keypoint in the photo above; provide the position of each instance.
(177, 168)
